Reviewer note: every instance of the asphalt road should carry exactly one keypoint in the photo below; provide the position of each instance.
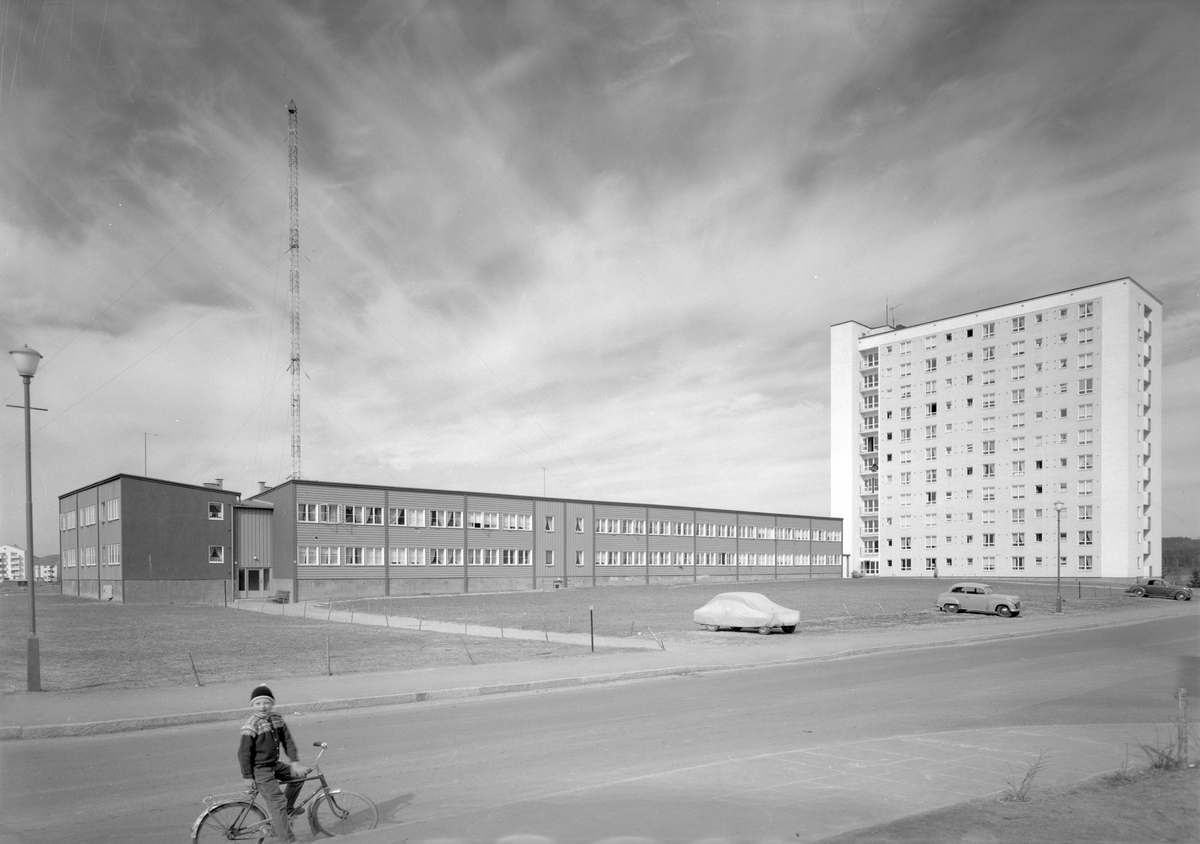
(737, 755)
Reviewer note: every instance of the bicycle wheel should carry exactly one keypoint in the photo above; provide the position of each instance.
(231, 822)
(338, 812)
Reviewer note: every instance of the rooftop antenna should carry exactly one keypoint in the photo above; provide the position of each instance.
(294, 249)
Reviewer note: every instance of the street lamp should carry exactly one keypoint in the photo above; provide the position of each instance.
(1058, 511)
(26, 360)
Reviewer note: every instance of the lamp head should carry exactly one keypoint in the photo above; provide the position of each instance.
(26, 360)
(1059, 506)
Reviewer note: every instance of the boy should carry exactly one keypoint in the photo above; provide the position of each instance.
(263, 735)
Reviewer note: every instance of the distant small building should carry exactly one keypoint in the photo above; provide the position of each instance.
(12, 562)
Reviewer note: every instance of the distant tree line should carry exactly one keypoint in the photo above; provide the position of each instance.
(1181, 560)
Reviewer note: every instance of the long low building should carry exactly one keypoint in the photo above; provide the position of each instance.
(137, 539)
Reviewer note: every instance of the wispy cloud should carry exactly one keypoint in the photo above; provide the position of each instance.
(596, 246)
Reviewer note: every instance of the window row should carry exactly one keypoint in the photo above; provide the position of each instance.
(110, 555)
(1083, 562)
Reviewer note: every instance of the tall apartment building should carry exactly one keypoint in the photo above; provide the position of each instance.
(959, 445)
(12, 562)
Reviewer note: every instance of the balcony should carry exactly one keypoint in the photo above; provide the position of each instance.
(869, 468)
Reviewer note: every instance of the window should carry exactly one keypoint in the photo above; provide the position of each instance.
(439, 518)
(931, 497)
(1017, 516)
(931, 453)
(989, 446)
(1017, 373)
(110, 555)
(931, 342)
(1018, 443)
(87, 517)
(1085, 412)
(988, 563)
(216, 553)
(931, 364)
(930, 432)
(1085, 436)
(906, 564)
(1085, 386)
(1017, 491)
(1085, 336)
(1085, 537)
(329, 513)
(549, 524)
(930, 541)
(906, 413)
(930, 387)
(1085, 462)
(1018, 563)
(905, 435)
(989, 329)
(989, 540)
(988, 517)
(110, 510)
(1084, 487)
(989, 377)
(1085, 512)
(1085, 562)
(1018, 540)
(1017, 348)
(484, 521)
(906, 347)
(989, 470)
(1017, 420)
(931, 476)
(1018, 397)
(989, 354)
(1085, 310)
(1018, 324)
(931, 409)
(354, 515)
(1084, 361)
(989, 400)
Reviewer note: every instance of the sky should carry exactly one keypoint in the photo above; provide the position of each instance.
(587, 249)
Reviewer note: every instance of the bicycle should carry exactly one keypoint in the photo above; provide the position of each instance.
(331, 811)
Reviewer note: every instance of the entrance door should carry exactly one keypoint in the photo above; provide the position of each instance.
(254, 583)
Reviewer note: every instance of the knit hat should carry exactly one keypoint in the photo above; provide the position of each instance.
(261, 691)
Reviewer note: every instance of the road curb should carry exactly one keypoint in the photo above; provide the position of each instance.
(124, 725)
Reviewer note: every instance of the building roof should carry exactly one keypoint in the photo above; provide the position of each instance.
(341, 485)
(143, 478)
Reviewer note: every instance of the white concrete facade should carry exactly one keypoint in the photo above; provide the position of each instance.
(953, 440)
(12, 562)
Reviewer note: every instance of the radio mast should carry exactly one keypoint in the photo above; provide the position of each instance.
(294, 249)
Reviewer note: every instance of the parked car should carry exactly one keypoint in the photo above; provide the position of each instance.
(978, 597)
(746, 610)
(1156, 587)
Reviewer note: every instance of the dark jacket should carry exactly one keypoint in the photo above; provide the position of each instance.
(261, 742)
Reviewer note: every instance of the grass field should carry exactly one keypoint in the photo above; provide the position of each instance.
(89, 645)
(826, 605)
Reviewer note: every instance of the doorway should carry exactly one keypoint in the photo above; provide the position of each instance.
(253, 583)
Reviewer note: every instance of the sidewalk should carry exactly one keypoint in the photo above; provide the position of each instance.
(57, 714)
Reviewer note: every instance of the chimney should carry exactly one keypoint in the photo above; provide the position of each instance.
(219, 483)
(262, 487)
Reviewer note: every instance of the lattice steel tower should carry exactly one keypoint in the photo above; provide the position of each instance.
(294, 249)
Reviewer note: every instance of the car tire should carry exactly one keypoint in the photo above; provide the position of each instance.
(712, 627)
(1003, 611)
(1139, 593)
(736, 628)
(951, 608)
(1182, 596)
(789, 628)
(764, 630)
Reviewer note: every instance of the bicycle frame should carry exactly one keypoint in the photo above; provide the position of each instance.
(250, 798)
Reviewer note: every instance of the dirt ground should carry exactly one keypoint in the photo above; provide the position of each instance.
(1156, 806)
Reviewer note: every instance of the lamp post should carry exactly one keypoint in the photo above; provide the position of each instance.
(1058, 511)
(26, 360)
